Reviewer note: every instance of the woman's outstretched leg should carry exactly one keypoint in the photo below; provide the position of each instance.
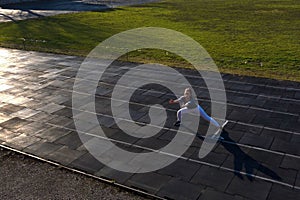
(182, 111)
(179, 115)
(208, 118)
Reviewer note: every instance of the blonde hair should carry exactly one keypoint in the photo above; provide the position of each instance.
(190, 90)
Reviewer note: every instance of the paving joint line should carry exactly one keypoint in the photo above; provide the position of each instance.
(172, 110)
(184, 132)
(81, 59)
(189, 159)
(245, 173)
(201, 99)
(201, 87)
(229, 90)
(265, 127)
(240, 82)
(206, 100)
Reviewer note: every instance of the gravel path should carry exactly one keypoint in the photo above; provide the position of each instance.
(26, 178)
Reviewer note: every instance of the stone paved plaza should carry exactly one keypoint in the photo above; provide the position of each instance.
(258, 159)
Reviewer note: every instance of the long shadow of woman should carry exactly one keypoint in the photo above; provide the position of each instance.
(241, 159)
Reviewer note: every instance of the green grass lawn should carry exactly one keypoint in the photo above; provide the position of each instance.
(249, 37)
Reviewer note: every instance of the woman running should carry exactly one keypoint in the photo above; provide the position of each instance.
(189, 105)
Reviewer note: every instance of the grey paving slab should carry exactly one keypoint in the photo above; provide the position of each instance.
(211, 194)
(181, 169)
(4, 117)
(19, 100)
(259, 141)
(25, 113)
(87, 163)
(290, 163)
(250, 189)
(32, 128)
(241, 162)
(265, 157)
(51, 108)
(83, 126)
(65, 155)
(34, 104)
(72, 140)
(52, 134)
(279, 135)
(285, 175)
(121, 136)
(112, 174)
(104, 90)
(284, 146)
(213, 158)
(190, 151)
(60, 121)
(21, 141)
(14, 123)
(42, 148)
(295, 139)
(6, 134)
(152, 143)
(167, 135)
(11, 108)
(216, 178)
(67, 112)
(150, 182)
(297, 183)
(41, 117)
(249, 130)
(177, 189)
(240, 115)
(236, 135)
(280, 192)
(294, 108)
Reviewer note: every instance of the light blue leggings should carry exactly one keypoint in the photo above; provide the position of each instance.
(202, 114)
(206, 117)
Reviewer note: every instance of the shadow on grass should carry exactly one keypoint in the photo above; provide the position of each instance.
(8, 17)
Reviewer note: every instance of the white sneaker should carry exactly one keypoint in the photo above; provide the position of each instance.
(225, 123)
(216, 135)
